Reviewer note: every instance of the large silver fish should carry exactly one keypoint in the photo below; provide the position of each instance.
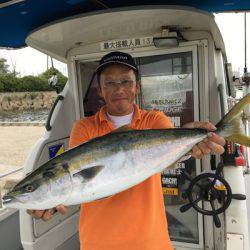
(112, 163)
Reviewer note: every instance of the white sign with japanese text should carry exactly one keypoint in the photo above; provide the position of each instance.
(127, 43)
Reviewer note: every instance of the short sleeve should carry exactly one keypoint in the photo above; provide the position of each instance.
(161, 121)
(79, 134)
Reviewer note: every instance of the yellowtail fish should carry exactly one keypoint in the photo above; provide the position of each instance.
(107, 165)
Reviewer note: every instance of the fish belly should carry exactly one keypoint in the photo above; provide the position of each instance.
(125, 169)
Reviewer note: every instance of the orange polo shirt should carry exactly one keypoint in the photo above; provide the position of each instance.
(135, 218)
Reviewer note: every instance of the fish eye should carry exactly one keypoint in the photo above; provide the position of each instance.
(29, 188)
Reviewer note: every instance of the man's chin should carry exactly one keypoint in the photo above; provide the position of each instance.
(121, 103)
(122, 108)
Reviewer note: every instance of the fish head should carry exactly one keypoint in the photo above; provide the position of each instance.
(41, 189)
(26, 192)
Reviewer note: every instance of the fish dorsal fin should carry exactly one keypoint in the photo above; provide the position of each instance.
(89, 173)
(124, 128)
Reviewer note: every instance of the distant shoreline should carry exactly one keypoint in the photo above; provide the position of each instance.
(21, 101)
(6, 124)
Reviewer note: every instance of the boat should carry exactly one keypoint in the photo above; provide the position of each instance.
(185, 73)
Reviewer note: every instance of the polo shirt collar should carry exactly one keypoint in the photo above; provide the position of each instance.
(104, 118)
(103, 115)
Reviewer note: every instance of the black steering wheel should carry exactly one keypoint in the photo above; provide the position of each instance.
(211, 188)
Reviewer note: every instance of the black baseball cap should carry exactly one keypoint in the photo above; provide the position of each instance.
(116, 57)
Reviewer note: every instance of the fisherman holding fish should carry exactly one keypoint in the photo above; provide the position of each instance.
(116, 176)
(135, 218)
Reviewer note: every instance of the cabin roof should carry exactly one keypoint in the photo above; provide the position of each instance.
(73, 35)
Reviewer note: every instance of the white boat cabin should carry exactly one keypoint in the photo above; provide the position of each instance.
(184, 73)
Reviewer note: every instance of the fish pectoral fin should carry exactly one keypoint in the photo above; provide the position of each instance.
(124, 128)
(89, 173)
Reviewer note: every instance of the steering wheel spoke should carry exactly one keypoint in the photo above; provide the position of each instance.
(184, 208)
(215, 216)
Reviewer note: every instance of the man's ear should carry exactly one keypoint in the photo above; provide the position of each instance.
(99, 91)
(138, 87)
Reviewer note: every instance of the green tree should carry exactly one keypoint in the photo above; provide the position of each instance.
(1, 84)
(8, 83)
(4, 67)
(32, 83)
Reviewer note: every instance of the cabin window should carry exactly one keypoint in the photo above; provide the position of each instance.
(167, 85)
(92, 101)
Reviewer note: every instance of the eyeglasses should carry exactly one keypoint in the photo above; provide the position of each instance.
(126, 83)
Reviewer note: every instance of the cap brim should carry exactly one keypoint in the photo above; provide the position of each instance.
(102, 66)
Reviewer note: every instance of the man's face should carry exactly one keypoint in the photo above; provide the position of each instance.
(118, 87)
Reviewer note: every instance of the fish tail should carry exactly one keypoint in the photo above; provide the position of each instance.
(230, 127)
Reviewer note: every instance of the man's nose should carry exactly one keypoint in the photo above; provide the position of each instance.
(119, 87)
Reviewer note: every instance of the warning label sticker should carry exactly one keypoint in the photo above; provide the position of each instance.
(56, 150)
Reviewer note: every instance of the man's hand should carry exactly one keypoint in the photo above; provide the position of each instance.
(46, 215)
(214, 143)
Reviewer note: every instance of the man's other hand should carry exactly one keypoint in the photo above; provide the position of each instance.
(47, 214)
(214, 143)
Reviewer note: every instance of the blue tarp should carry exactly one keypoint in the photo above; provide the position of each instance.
(19, 19)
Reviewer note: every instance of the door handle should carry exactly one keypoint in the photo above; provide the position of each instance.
(48, 126)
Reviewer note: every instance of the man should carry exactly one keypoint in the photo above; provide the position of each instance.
(135, 218)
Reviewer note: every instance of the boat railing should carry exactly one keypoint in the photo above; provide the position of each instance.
(4, 175)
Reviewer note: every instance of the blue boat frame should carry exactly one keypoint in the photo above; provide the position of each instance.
(18, 18)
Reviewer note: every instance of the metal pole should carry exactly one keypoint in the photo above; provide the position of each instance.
(245, 34)
(11, 172)
(247, 91)
(247, 126)
(1, 203)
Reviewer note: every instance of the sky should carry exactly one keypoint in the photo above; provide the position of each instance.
(231, 26)
(28, 61)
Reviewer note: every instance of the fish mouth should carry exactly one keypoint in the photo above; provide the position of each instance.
(8, 199)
